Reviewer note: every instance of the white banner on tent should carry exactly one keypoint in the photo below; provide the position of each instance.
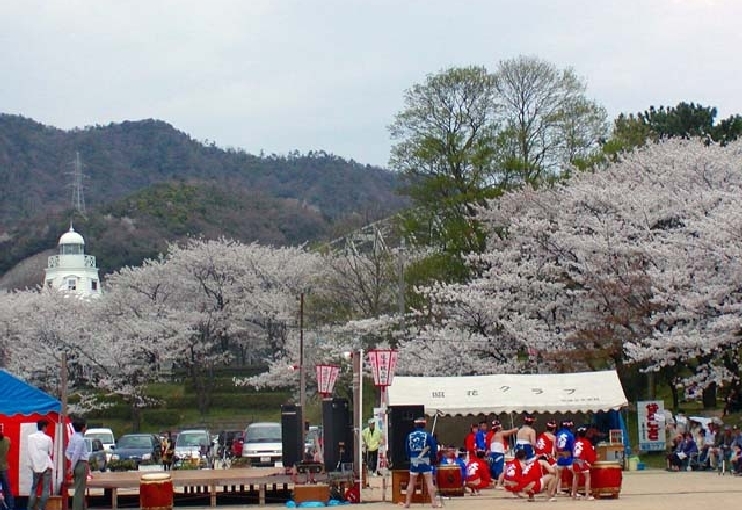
(511, 393)
(651, 423)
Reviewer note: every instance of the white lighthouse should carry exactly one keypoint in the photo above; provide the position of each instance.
(71, 271)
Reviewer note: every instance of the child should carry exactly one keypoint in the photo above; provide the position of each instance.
(478, 473)
(583, 457)
(513, 474)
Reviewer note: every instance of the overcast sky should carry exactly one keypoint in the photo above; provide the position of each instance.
(280, 75)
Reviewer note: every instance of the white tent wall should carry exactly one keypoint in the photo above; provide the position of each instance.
(467, 400)
(578, 392)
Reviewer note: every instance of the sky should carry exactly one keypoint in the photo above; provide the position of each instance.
(280, 75)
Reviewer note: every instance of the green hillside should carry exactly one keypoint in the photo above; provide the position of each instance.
(147, 183)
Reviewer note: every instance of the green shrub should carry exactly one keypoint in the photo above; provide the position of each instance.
(122, 465)
(161, 418)
(229, 401)
(118, 412)
(187, 467)
(239, 462)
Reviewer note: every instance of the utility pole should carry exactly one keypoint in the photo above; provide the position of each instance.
(302, 394)
(358, 414)
(400, 282)
(60, 443)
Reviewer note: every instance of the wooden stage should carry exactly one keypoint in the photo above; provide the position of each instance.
(206, 487)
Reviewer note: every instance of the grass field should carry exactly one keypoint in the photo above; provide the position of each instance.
(173, 415)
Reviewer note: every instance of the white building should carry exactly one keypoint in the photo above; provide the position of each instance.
(71, 270)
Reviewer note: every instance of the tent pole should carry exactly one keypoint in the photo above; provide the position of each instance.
(61, 438)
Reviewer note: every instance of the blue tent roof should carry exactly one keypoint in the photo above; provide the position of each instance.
(19, 397)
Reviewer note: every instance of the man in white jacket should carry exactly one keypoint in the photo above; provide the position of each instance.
(40, 451)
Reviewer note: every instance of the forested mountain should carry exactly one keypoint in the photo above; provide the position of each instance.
(147, 183)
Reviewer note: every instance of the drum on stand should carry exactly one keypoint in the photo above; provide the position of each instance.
(606, 477)
(156, 492)
(449, 481)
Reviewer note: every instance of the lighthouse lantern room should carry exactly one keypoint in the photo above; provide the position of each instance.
(71, 270)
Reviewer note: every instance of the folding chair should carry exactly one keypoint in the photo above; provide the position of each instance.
(693, 462)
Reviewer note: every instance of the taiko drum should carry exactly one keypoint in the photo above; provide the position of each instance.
(606, 478)
(449, 481)
(156, 492)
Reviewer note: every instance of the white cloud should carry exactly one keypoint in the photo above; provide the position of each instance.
(285, 74)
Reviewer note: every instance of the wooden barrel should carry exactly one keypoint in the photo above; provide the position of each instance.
(449, 481)
(606, 478)
(156, 492)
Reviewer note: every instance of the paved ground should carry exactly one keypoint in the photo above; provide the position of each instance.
(647, 490)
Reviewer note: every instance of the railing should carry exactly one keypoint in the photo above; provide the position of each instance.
(56, 261)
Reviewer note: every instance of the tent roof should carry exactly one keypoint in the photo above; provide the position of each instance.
(19, 397)
(510, 393)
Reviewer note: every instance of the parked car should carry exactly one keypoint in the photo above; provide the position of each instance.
(226, 439)
(106, 437)
(141, 448)
(262, 444)
(97, 460)
(193, 445)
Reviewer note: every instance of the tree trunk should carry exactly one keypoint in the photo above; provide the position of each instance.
(136, 417)
(675, 398)
(709, 396)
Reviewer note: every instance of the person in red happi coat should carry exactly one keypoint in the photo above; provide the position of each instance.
(470, 442)
(583, 457)
(478, 473)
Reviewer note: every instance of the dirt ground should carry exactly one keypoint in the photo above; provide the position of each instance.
(650, 490)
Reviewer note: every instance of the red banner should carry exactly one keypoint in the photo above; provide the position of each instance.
(383, 363)
(327, 375)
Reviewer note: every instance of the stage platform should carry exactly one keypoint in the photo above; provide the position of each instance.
(206, 487)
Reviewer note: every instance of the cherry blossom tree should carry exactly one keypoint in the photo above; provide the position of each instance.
(639, 261)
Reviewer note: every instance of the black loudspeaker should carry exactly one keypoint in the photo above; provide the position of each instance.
(337, 431)
(401, 423)
(292, 435)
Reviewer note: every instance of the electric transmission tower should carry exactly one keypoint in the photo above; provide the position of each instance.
(78, 187)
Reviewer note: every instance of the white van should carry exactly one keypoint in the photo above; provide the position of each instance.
(106, 437)
(263, 444)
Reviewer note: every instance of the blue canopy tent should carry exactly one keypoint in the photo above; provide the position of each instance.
(21, 407)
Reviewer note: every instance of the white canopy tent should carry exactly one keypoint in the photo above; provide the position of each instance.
(511, 393)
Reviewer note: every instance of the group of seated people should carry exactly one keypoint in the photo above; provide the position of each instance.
(701, 449)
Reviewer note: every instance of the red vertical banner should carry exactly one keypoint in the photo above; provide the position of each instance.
(383, 364)
(327, 376)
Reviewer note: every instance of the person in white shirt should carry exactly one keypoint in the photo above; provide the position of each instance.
(40, 451)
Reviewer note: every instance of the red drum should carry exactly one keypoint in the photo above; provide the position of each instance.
(567, 480)
(448, 479)
(156, 492)
(605, 478)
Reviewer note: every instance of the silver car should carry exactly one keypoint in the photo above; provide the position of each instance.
(97, 453)
(195, 447)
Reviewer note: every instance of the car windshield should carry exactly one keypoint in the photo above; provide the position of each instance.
(195, 439)
(135, 442)
(270, 434)
(104, 437)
